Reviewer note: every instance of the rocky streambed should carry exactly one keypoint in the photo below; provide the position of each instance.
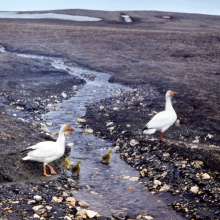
(183, 171)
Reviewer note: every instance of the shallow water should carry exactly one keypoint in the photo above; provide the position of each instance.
(104, 187)
(46, 16)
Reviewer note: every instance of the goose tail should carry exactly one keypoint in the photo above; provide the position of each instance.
(149, 131)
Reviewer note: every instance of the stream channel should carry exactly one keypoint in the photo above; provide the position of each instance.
(103, 187)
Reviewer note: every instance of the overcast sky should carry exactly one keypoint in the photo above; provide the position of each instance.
(188, 6)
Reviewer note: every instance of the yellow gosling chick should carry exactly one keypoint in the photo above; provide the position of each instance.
(106, 158)
(66, 164)
(76, 169)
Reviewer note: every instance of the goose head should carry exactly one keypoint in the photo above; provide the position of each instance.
(170, 93)
(67, 128)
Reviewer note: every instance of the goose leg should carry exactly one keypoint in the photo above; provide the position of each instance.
(45, 173)
(52, 171)
(161, 137)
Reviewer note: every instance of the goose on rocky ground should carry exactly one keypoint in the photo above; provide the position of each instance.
(48, 151)
(162, 120)
(66, 164)
(76, 169)
(106, 158)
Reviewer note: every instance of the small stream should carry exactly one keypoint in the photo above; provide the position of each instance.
(103, 187)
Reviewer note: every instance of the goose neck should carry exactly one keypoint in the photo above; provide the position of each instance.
(169, 106)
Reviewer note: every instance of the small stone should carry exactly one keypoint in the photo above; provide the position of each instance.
(49, 124)
(50, 105)
(44, 128)
(83, 204)
(40, 211)
(134, 179)
(88, 131)
(53, 133)
(139, 217)
(101, 107)
(109, 124)
(131, 188)
(71, 199)
(194, 146)
(70, 144)
(198, 164)
(80, 211)
(38, 198)
(48, 207)
(209, 136)
(134, 142)
(205, 176)
(81, 120)
(126, 177)
(35, 208)
(166, 154)
(67, 218)
(194, 189)
(36, 216)
(64, 95)
(31, 201)
(157, 182)
(55, 199)
(195, 141)
(91, 214)
(148, 217)
(164, 188)
(119, 215)
(88, 187)
(142, 173)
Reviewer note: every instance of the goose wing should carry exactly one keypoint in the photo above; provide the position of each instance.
(43, 149)
(162, 119)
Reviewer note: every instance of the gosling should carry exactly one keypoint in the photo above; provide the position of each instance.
(66, 164)
(76, 169)
(106, 158)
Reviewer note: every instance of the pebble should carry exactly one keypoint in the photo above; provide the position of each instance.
(195, 141)
(55, 199)
(91, 214)
(134, 179)
(164, 188)
(81, 120)
(119, 215)
(83, 204)
(194, 189)
(205, 176)
(134, 142)
(38, 198)
(64, 95)
(148, 217)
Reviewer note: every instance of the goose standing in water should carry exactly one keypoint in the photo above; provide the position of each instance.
(48, 151)
(162, 120)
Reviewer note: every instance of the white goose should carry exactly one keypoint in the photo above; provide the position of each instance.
(48, 151)
(162, 120)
